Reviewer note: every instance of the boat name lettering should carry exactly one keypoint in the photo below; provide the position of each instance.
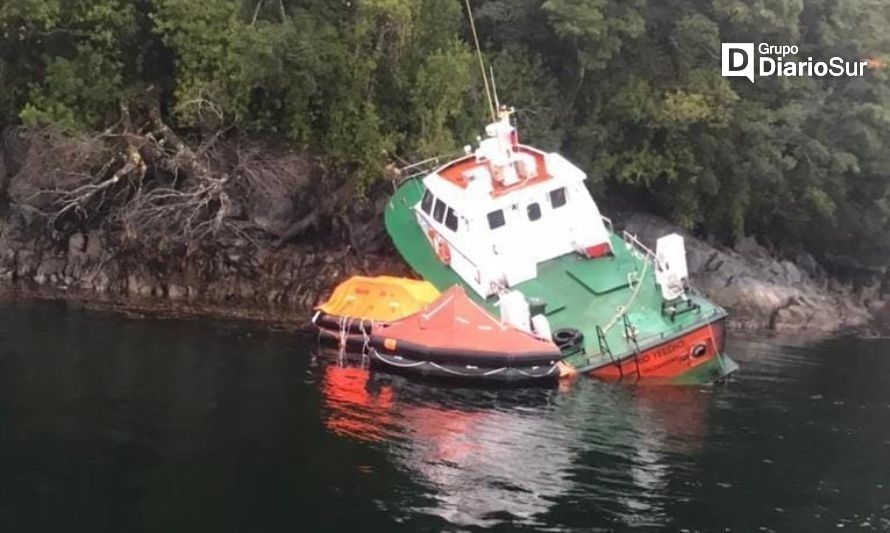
(667, 349)
(662, 364)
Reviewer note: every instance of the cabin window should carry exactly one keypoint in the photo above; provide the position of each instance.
(439, 211)
(496, 219)
(558, 197)
(534, 211)
(451, 220)
(427, 203)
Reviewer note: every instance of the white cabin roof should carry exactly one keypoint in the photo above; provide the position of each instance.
(507, 207)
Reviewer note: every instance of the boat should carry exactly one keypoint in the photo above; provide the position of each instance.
(454, 337)
(357, 304)
(518, 230)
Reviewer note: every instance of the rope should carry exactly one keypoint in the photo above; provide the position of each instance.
(716, 348)
(494, 116)
(532, 375)
(376, 354)
(623, 308)
(461, 374)
(345, 324)
(318, 336)
(366, 341)
(453, 372)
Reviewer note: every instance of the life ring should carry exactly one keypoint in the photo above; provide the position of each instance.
(443, 252)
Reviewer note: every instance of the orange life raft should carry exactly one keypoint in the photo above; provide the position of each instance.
(455, 337)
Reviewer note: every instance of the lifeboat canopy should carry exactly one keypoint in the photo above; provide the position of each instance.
(379, 299)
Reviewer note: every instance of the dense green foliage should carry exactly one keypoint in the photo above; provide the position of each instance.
(629, 89)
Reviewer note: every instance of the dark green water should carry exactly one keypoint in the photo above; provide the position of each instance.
(109, 424)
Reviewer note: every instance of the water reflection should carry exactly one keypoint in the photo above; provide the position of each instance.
(119, 425)
(666, 422)
(481, 458)
(488, 457)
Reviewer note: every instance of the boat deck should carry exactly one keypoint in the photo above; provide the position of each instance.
(580, 293)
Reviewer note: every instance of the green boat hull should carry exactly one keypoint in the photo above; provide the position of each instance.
(613, 301)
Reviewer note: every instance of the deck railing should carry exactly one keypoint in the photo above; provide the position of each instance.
(703, 319)
(639, 246)
(422, 168)
(416, 170)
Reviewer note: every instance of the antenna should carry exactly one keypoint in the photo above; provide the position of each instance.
(494, 89)
(494, 116)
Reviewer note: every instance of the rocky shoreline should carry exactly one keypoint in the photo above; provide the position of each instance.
(280, 285)
(766, 292)
(275, 285)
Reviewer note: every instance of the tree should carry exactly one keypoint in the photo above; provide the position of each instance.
(65, 62)
(629, 90)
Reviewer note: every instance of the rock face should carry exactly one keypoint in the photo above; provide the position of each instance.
(4, 174)
(238, 278)
(764, 292)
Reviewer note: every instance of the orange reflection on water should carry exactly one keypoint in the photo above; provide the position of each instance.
(353, 410)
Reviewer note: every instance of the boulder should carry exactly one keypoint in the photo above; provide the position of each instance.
(808, 264)
(50, 267)
(825, 318)
(177, 292)
(791, 319)
(748, 246)
(77, 243)
(4, 174)
(792, 273)
(94, 246)
(26, 264)
(139, 285)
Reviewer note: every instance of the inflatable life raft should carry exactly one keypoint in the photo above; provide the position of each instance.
(455, 338)
(346, 319)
